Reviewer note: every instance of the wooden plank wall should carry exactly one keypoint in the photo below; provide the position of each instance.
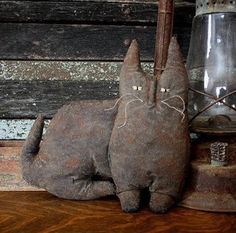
(52, 52)
(82, 30)
(43, 87)
(75, 31)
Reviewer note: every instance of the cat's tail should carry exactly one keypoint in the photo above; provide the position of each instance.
(31, 148)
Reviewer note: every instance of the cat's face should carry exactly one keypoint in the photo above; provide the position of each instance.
(173, 84)
(134, 82)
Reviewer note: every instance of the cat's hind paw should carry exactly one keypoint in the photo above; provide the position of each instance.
(160, 203)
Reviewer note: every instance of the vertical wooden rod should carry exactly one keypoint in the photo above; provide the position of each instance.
(163, 35)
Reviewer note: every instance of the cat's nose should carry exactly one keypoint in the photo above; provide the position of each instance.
(152, 92)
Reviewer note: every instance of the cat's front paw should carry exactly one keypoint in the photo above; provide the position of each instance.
(130, 200)
(160, 203)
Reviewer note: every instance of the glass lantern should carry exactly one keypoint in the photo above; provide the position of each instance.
(211, 66)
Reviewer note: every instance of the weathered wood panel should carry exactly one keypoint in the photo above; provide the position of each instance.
(16, 129)
(28, 88)
(26, 99)
(78, 42)
(63, 70)
(137, 12)
(10, 167)
(72, 42)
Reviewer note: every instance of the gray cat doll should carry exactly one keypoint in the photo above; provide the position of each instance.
(97, 148)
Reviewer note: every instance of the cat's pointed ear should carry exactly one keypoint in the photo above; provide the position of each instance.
(132, 78)
(175, 58)
(132, 57)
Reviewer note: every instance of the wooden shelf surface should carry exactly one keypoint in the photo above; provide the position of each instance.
(40, 212)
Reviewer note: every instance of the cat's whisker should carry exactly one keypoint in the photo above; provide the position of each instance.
(126, 106)
(173, 107)
(128, 94)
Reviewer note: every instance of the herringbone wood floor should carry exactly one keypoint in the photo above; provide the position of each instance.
(40, 212)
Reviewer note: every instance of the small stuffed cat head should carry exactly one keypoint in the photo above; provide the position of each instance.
(133, 81)
(173, 84)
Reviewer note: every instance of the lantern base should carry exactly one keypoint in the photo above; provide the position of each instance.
(211, 186)
(212, 202)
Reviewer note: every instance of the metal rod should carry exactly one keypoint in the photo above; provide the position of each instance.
(211, 97)
(210, 105)
(163, 35)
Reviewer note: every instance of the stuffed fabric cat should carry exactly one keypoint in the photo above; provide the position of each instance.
(88, 144)
(150, 150)
(72, 160)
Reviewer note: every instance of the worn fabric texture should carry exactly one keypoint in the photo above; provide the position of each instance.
(98, 148)
(151, 149)
(72, 159)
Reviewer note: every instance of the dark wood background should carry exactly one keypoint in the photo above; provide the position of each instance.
(74, 30)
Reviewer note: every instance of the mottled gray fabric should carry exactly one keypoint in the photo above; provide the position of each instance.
(98, 148)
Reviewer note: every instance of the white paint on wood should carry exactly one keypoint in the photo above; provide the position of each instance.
(16, 129)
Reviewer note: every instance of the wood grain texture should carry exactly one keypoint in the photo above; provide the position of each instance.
(10, 167)
(44, 86)
(112, 12)
(64, 70)
(27, 99)
(24, 212)
(24, 41)
(27, 212)
(72, 41)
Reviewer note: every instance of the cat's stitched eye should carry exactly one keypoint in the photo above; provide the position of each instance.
(163, 90)
(140, 88)
(135, 88)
